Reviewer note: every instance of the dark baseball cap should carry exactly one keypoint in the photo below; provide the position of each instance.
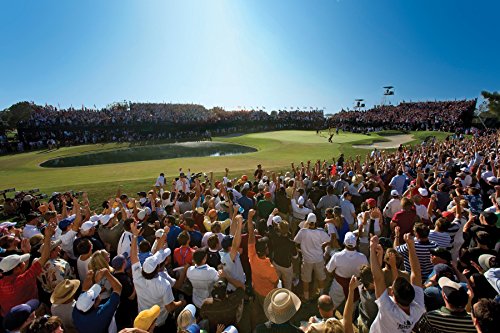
(227, 241)
(18, 315)
(441, 253)
(118, 261)
(456, 294)
(31, 216)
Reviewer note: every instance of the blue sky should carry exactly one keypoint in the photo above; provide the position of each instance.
(230, 53)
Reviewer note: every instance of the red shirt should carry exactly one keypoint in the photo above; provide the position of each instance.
(15, 290)
(183, 255)
(405, 220)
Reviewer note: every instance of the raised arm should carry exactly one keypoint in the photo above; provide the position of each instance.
(134, 258)
(78, 219)
(349, 306)
(416, 273)
(237, 236)
(251, 231)
(49, 232)
(378, 275)
(115, 284)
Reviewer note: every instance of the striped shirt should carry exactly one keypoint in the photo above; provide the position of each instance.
(423, 255)
(445, 321)
(442, 239)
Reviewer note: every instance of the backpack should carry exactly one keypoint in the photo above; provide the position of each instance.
(213, 259)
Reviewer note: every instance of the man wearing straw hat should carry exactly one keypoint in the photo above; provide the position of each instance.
(63, 302)
(280, 306)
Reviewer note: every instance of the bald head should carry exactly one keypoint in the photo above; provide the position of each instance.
(326, 306)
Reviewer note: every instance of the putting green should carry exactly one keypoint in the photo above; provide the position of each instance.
(275, 151)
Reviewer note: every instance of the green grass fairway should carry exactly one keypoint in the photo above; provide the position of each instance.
(275, 151)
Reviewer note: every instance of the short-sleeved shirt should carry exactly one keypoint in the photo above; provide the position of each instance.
(54, 271)
(445, 321)
(405, 220)
(150, 292)
(233, 267)
(15, 290)
(391, 318)
(265, 208)
(111, 236)
(202, 278)
(264, 276)
(183, 255)
(97, 320)
(310, 241)
(423, 255)
(347, 210)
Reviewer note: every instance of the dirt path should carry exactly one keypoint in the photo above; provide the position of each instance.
(394, 142)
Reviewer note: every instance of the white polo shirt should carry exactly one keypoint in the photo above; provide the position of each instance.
(202, 278)
(345, 264)
(150, 292)
(310, 241)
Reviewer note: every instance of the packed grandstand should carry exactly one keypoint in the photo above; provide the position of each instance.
(133, 122)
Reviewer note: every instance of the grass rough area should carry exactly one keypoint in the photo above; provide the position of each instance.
(275, 151)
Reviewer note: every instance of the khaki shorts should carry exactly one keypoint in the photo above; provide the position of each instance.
(308, 268)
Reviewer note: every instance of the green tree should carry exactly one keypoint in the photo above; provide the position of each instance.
(493, 102)
(15, 113)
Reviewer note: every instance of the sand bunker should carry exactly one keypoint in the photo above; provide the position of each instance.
(394, 142)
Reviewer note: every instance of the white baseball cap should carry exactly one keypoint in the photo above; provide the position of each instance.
(311, 218)
(395, 193)
(7, 224)
(277, 219)
(230, 329)
(105, 218)
(162, 254)
(10, 262)
(95, 218)
(350, 239)
(86, 226)
(150, 264)
(87, 299)
(187, 316)
(423, 192)
(300, 201)
(159, 233)
(143, 212)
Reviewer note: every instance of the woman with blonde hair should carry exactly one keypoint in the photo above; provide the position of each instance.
(100, 260)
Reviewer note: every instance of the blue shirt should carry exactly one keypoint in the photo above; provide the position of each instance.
(247, 204)
(398, 183)
(97, 320)
(196, 238)
(172, 237)
(143, 256)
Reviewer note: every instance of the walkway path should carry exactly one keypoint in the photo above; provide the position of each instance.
(394, 142)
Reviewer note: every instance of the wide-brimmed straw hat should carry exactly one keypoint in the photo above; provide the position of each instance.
(280, 305)
(64, 291)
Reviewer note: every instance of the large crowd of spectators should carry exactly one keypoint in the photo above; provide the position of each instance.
(49, 126)
(134, 122)
(447, 116)
(403, 241)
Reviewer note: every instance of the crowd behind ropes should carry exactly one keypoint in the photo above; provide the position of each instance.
(50, 126)
(447, 116)
(399, 241)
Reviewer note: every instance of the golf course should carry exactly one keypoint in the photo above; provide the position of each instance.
(134, 166)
